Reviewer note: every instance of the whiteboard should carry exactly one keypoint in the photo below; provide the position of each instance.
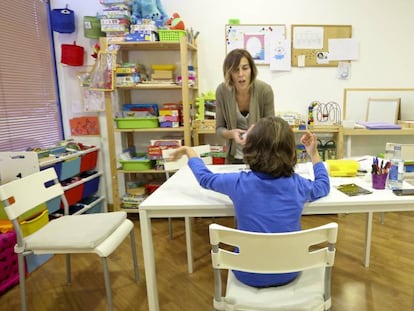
(355, 104)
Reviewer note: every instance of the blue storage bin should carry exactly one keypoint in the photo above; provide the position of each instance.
(67, 169)
(90, 187)
(53, 205)
(96, 203)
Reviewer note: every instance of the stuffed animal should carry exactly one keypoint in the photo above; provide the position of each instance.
(148, 9)
(175, 22)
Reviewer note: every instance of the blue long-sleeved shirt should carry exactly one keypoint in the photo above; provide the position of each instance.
(264, 203)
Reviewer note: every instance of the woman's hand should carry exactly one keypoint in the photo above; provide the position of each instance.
(238, 136)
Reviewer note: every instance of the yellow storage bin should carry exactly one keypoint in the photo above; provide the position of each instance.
(342, 168)
(32, 225)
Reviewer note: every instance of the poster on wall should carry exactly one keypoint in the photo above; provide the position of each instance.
(84, 126)
(257, 39)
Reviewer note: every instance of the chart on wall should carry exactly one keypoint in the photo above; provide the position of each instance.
(259, 40)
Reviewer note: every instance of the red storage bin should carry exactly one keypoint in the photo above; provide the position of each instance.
(74, 195)
(88, 161)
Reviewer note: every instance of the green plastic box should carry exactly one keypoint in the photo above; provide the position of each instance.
(137, 164)
(136, 123)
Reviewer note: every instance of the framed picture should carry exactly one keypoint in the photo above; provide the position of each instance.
(383, 110)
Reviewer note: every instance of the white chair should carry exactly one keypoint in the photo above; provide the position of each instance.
(310, 251)
(98, 233)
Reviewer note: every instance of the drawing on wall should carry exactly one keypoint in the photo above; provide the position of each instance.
(87, 125)
(255, 44)
(257, 39)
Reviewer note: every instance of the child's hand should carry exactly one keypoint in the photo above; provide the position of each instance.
(310, 141)
(176, 154)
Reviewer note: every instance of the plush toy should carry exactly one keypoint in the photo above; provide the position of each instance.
(96, 49)
(175, 22)
(148, 9)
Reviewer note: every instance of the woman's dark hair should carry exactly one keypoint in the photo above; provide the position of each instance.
(232, 62)
(271, 147)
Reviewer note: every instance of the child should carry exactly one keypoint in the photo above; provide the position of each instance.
(270, 197)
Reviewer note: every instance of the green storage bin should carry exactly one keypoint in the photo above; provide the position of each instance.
(136, 123)
(137, 164)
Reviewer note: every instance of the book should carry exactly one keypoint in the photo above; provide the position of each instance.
(353, 190)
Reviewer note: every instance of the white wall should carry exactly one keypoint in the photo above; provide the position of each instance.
(383, 28)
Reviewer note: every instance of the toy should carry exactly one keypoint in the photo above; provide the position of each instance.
(148, 9)
(96, 50)
(175, 22)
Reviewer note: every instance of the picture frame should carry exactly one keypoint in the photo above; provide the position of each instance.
(383, 110)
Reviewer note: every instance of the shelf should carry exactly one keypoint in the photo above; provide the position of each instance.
(129, 210)
(321, 129)
(155, 86)
(74, 153)
(81, 181)
(146, 171)
(151, 46)
(89, 206)
(155, 129)
(366, 132)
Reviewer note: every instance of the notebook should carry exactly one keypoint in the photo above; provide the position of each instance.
(380, 125)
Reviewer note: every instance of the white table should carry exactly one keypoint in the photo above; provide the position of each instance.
(181, 196)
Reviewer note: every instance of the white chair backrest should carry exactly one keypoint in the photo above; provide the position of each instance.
(30, 191)
(273, 252)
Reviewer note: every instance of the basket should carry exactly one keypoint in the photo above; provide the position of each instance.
(171, 35)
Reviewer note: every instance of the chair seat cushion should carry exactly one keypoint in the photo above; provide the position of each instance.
(304, 293)
(84, 231)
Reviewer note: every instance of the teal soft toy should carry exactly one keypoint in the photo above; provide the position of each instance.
(148, 9)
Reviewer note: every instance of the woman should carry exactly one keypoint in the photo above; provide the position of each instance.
(270, 197)
(241, 101)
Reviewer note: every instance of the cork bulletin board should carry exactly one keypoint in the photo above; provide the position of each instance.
(310, 44)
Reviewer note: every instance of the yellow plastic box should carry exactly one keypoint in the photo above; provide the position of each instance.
(32, 225)
(342, 168)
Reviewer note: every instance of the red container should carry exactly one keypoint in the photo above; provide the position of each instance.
(74, 195)
(88, 161)
(72, 54)
(219, 160)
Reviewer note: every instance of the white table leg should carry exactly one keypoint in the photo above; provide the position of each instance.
(149, 261)
(189, 242)
(368, 232)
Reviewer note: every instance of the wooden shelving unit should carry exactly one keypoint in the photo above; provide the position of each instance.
(187, 56)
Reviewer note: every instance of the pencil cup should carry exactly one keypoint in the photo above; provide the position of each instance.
(379, 181)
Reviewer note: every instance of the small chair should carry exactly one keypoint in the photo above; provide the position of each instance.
(310, 251)
(99, 233)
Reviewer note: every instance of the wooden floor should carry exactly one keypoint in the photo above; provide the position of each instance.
(388, 284)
